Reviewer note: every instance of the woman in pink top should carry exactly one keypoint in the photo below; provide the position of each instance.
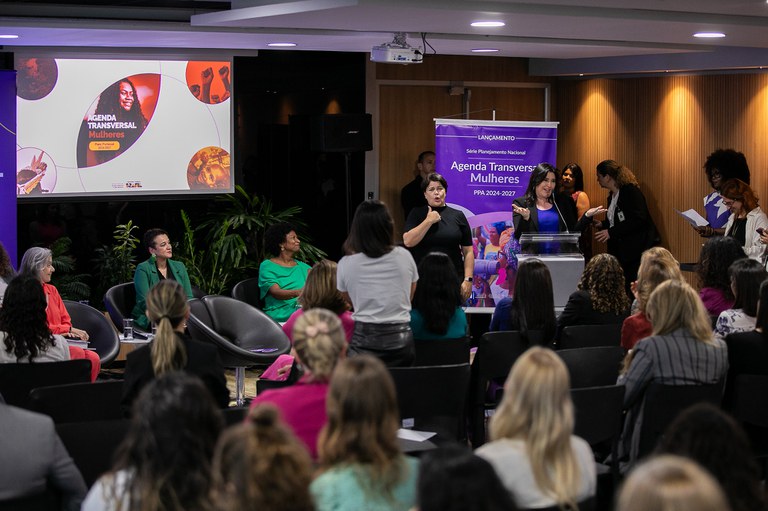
(318, 341)
(717, 255)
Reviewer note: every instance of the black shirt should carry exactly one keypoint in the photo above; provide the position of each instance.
(447, 236)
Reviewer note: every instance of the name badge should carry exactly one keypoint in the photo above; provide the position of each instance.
(620, 215)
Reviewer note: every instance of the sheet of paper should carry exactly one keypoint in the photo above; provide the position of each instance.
(693, 217)
(414, 435)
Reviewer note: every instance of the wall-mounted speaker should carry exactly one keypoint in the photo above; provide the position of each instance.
(341, 133)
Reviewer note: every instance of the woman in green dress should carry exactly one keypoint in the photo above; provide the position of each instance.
(281, 277)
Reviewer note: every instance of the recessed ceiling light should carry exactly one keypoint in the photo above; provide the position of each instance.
(488, 23)
(709, 35)
(484, 50)
(281, 45)
(8, 36)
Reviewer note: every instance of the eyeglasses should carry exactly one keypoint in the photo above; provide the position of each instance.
(433, 189)
(729, 202)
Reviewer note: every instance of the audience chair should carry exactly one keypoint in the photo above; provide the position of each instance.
(119, 301)
(662, 403)
(749, 406)
(102, 336)
(92, 444)
(79, 402)
(590, 336)
(197, 292)
(234, 415)
(244, 335)
(17, 380)
(598, 413)
(593, 367)
(248, 291)
(48, 500)
(435, 397)
(496, 352)
(430, 352)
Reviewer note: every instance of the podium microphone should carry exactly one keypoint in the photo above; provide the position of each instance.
(554, 203)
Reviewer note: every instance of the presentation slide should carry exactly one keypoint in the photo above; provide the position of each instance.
(90, 127)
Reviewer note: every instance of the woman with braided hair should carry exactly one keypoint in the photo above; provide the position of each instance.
(319, 343)
(171, 349)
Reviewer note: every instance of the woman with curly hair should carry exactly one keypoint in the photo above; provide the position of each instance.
(657, 265)
(600, 298)
(24, 330)
(710, 437)
(164, 462)
(437, 312)
(259, 465)
(716, 256)
(361, 465)
(6, 271)
(533, 448)
(281, 277)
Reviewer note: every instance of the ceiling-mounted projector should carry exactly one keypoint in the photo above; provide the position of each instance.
(397, 52)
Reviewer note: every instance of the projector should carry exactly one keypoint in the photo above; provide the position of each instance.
(386, 54)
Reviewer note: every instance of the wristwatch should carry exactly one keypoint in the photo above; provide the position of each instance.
(467, 279)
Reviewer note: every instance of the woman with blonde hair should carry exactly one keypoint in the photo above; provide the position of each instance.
(681, 351)
(600, 298)
(533, 448)
(319, 343)
(657, 265)
(259, 464)
(171, 349)
(671, 483)
(361, 465)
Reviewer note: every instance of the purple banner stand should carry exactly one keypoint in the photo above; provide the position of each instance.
(487, 165)
(8, 163)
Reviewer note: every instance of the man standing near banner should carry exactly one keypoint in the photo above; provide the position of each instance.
(412, 195)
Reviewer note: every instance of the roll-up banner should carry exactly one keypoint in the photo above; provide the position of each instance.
(8, 162)
(487, 165)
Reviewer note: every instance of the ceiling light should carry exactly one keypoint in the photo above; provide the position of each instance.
(281, 45)
(709, 35)
(8, 36)
(488, 23)
(484, 50)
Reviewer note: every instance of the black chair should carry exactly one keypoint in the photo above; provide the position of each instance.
(435, 397)
(245, 336)
(102, 336)
(593, 367)
(749, 406)
(590, 336)
(92, 444)
(431, 352)
(48, 500)
(79, 402)
(598, 413)
(496, 352)
(248, 291)
(119, 301)
(234, 415)
(17, 380)
(197, 292)
(662, 403)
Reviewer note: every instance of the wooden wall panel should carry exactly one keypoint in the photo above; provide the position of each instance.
(663, 128)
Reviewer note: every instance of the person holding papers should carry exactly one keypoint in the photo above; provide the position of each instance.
(747, 221)
(721, 165)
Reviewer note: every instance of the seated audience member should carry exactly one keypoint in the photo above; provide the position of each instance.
(34, 459)
(717, 255)
(172, 349)
(24, 331)
(746, 277)
(600, 298)
(164, 462)
(378, 278)
(533, 306)
(281, 277)
(656, 266)
(452, 478)
(6, 271)
(533, 448)
(436, 311)
(158, 267)
(318, 341)
(747, 220)
(260, 465)
(748, 351)
(361, 466)
(38, 262)
(681, 351)
(711, 438)
(670, 483)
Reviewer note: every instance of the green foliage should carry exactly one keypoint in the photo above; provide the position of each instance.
(233, 238)
(116, 263)
(70, 286)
